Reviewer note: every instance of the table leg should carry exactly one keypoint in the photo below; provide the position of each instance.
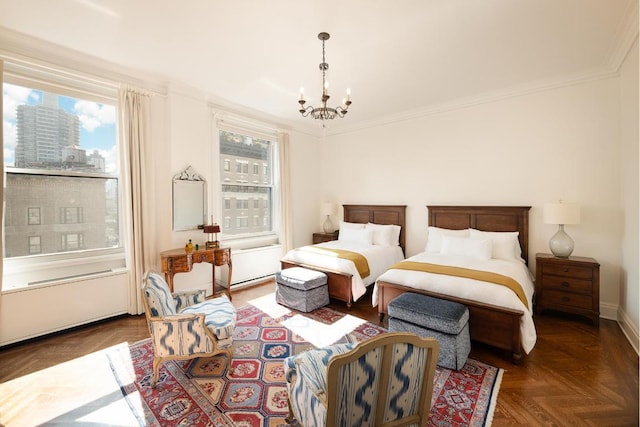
(229, 281)
(213, 280)
(168, 277)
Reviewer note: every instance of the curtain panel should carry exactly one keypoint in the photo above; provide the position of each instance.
(137, 188)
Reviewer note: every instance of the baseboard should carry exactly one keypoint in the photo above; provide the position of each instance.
(609, 311)
(629, 329)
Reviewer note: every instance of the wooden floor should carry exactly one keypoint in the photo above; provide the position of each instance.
(576, 375)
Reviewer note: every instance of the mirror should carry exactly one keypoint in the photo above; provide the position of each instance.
(189, 200)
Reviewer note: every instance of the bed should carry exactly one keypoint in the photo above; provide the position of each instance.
(342, 282)
(489, 323)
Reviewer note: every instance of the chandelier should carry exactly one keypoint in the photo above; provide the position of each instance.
(323, 112)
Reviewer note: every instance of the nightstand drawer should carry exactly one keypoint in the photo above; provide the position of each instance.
(573, 271)
(324, 237)
(555, 298)
(567, 284)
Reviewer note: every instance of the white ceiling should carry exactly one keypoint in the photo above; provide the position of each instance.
(400, 58)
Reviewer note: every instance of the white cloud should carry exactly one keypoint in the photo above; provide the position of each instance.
(12, 97)
(93, 115)
(110, 158)
(10, 135)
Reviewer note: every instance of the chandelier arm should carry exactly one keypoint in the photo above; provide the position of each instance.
(305, 112)
(323, 112)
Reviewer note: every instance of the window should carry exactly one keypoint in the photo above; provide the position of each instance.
(72, 241)
(226, 165)
(60, 154)
(71, 215)
(34, 245)
(245, 149)
(227, 203)
(33, 215)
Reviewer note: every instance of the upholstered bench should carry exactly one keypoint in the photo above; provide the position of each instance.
(446, 321)
(301, 289)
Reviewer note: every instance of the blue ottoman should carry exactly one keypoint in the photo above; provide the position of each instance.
(446, 321)
(301, 289)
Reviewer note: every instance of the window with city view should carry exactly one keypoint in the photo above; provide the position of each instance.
(61, 173)
(246, 169)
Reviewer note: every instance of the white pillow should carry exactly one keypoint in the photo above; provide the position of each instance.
(434, 237)
(480, 249)
(356, 235)
(356, 225)
(505, 243)
(385, 235)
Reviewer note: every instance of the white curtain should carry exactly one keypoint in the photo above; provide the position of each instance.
(138, 191)
(286, 219)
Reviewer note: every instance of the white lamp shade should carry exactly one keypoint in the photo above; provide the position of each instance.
(561, 213)
(328, 208)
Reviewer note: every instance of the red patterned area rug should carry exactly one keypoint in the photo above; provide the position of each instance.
(251, 390)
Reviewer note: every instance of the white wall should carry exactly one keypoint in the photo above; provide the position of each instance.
(526, 150)
(185, 133)
(630, 277)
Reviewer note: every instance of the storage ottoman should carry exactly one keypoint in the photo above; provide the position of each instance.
(301, 289)
(446, 321)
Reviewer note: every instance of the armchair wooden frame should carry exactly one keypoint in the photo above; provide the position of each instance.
(387, 341)
(196, 322)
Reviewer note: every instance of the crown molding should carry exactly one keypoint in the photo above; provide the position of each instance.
(30, 51)
(627, 34)
(480, 99)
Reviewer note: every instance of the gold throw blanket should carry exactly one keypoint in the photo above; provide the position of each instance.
(468, 273)
(358, 260)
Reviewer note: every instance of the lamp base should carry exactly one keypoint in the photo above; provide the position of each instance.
(561, 244)
(211, 245)
(327, 227)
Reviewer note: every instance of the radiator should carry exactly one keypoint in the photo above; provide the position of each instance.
(254, 263)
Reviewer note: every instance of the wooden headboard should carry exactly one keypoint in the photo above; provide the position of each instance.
(485, 218)
(378, 214)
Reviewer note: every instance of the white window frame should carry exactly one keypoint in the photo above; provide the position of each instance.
(55, 268)
(231, 123)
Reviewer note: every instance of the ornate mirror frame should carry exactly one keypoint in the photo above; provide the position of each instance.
(189, 200)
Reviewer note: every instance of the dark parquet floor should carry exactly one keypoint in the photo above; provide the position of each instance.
(577, 375)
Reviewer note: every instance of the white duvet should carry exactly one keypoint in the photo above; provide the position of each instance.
(471, 289)
(380, 258)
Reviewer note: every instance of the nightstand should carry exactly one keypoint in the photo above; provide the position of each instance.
(570, 285)
(324, 237)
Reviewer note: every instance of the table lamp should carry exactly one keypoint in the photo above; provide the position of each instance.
(561, 244)
(328, 209)
(211, 229)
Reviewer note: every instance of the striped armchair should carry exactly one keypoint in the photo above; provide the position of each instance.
(386, 380)
(183, 325)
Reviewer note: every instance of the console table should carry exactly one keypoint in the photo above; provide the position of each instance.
(179, 261)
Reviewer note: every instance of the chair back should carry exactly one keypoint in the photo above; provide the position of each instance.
(387, 379)
(158, 300)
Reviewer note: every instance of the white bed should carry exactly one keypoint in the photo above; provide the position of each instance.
(470, 289)
(379, 258)
(382, 250)
(497, 317)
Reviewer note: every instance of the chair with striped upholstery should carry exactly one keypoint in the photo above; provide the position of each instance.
(386, 380)
(183, 325)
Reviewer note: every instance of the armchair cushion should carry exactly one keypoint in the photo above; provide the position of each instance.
(220, 316)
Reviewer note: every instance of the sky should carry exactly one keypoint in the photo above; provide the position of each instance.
(97, 123)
